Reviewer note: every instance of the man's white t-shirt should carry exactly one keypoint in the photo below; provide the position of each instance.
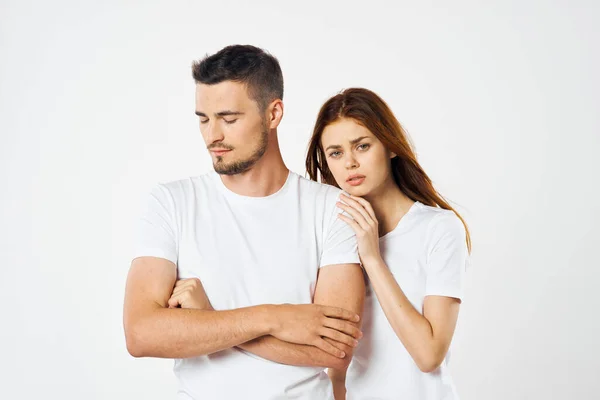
(247, 251)
(427, 254)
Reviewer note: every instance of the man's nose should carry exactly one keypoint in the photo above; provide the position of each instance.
(213, 133)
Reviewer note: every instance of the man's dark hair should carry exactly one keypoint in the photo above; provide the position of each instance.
(247, 64)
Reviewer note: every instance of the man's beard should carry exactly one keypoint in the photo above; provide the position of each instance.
(237, 167)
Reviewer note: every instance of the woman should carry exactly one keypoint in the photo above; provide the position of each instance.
(413, 246)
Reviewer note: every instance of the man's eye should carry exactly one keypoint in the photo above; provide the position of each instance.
(203, 121)
(230, 121)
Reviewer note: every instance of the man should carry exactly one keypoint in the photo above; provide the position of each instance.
(254, 237)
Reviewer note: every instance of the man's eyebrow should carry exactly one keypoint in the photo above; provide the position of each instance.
(353, 141)
(220, 113)
(227, 112)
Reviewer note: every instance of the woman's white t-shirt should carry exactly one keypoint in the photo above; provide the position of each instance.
(427, 254)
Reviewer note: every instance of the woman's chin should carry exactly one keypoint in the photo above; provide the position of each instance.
(358, 191)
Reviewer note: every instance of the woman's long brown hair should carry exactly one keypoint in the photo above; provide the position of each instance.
(369, 110)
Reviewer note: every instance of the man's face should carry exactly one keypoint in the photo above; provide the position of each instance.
(232, 125)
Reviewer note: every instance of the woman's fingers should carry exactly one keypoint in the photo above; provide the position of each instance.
(353, 224)
(354, 204)
(367, 206)
(356, 215)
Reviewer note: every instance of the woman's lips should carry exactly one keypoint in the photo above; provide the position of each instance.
(355, 180)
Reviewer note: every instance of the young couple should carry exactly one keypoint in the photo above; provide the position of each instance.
(265, 285)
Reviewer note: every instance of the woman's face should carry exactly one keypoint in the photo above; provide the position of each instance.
(358, 161)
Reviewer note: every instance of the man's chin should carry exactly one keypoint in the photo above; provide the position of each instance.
(219, 169)
(230, 169)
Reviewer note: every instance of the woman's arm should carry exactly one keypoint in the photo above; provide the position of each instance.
(426, 337)
(338, 381)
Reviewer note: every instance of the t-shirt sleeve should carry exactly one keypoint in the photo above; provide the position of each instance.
(340, 245)
(447, 257)
(156, 229)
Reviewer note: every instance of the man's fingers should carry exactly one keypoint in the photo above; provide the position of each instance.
(183, 282)
(338, 345)
(329, 348)
(173, 302)
(338, 336)
(340, 313)
(181, 289)
(188, 282)
(344, 327)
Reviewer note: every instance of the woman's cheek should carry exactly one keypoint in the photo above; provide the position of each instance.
(338, 175)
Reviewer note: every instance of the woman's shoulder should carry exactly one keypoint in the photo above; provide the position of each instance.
(439, 221)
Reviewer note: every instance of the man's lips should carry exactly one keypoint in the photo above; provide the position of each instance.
(219, 152)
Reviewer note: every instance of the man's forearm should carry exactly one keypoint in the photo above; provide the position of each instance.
(276, 350)
(352, 298)
(182, 333)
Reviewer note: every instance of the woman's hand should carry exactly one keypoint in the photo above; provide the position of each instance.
(365, 225)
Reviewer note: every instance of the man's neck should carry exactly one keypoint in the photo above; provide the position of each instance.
(264, 178)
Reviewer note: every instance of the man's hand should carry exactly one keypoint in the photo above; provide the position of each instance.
(189, 293)
(311, 323)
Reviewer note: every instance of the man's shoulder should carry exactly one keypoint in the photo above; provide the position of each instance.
(184, 188)
(318, 190)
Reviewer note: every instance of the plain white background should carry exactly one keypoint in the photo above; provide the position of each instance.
(501, 100)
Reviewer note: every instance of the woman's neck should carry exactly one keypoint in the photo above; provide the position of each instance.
(390, 205)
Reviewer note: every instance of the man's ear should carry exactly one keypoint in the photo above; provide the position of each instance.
(274, 113)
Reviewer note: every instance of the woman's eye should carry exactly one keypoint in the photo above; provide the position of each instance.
(334, 154)
(230, 121)
(363, 146)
